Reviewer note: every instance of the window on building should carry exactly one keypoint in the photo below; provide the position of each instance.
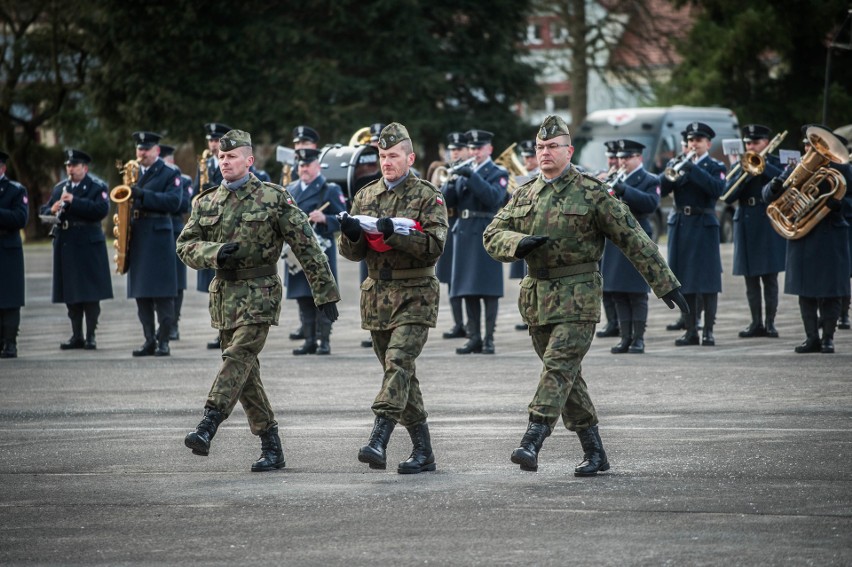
(534, 35)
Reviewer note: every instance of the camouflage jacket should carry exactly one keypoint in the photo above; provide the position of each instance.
(386, 304)
(261, 217)
(578, 213)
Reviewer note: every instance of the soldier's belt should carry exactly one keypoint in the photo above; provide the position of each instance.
(561, 271)
(451, 213)
(388, 274)
(77, 224)
(694, 210)
(247, 273)
(468, 214)
(137, 214)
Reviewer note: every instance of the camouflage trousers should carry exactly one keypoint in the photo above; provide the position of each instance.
(239, 377)
(561, 388)
(400, 399)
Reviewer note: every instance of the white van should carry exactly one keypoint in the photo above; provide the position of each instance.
(659, 130)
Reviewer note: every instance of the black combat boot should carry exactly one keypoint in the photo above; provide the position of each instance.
(707, 338)
(10, 349)
(594, 456)
(771, 331)
(422, 459)
(309, 328)
(373, 453)
(271, 453)
(811, 324)
(457, 332)
(637, 346)
(162, 348)
(843, 321)
(199, 440)
(150, 344)
(828, 327)
(755, 328)
(490, 325)
(611, 329)
(215, 344)
(690, 337)
(474, 341)
(527, 454)
(324, 332)
(76, 341)
(678, 325)
(626, 330)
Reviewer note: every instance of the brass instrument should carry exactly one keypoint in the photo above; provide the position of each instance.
(509, 160)
(752, 163)
(361, 137)
(444, 173)
(674, 172)
(616, 176)
(203, 173)
(122, 195)
(802, 205)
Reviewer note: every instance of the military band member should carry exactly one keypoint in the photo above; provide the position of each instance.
(843, 322)
(759, 251)
(239, 229)
(640, 191)
(693, 231)
(14, 212)
(611, 329)
(81, 271)
(399, 298)
(167, 153)
(321, 201)
(152, 275)
(561, 295)
(375, 132)
(480, 190)
(518, 268)
(213, 132)
(817, 267)
(458, 152)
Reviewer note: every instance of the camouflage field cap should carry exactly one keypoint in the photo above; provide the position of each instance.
(392, 134)
(234, 139)
(553, 127)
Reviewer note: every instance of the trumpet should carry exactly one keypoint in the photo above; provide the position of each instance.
(457, 166)
(616, 176)
(752, 163)
(674, 172)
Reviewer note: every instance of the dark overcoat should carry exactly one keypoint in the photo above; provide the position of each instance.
(81, 268)
(693, 227)
(642, 197)
(152, 272)
(476, 199)
(13, 217)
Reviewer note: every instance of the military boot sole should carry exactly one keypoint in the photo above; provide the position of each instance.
(198, 446)
(267, 466)
(525, 460)
(427, 467)
(371, 458)
(603, 468)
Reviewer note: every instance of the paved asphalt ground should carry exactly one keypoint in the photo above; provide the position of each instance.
(733, 455)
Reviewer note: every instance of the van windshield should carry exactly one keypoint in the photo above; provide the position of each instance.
(589, 152)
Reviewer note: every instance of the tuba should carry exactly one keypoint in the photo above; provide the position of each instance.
(122, 197)
(803, 205)
(509, 160)
(361, 137)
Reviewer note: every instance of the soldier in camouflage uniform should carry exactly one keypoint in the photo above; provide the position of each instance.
(558, 223)
(239, 228)
(399, 297)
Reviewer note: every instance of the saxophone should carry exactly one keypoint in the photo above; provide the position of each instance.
(203, 173)
(122, 195)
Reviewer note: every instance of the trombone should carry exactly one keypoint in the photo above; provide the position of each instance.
(752, 163)
(674, 172)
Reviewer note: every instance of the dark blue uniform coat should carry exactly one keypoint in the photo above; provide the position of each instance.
(444, 267)
(214, 176)
(818, 264)
(186, 194)
(313, 197)
(153, 273)
(847, 203)
(81, 270)
(476, 199)
(758, 249)
(13, 217)
(642, 196)
(693, 246)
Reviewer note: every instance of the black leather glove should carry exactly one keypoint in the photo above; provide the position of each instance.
(226, 251)
(675, 297)
(833, 204)
(385, 226)
(687, 165)
(329, 310)
(776, 186)
(465, 171)
(350, 227)
(528, 244)
(136, 192)
(619, 188)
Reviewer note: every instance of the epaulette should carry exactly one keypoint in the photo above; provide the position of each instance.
(591, 177)
(208, 190)
(275, 186)
(429, 184)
